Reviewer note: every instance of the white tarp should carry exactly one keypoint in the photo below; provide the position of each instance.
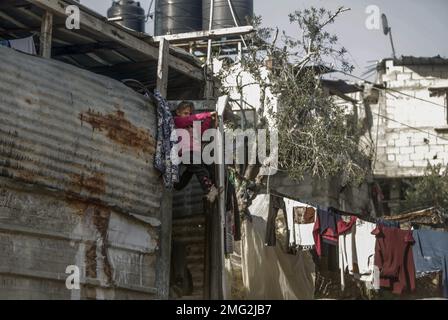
(268, 272)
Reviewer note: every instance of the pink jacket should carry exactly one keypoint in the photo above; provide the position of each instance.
(187, 123)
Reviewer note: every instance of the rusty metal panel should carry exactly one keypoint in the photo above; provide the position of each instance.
(84, 135)
(77, 184)
(41, 234)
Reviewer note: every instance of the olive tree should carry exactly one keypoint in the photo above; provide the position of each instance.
(314, 135)
(429, 190)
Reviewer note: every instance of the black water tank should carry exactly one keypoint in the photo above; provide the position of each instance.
(132, 14)
(177, 16)
(222, 16)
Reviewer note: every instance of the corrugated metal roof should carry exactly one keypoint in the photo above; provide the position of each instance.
(341, 86)
(415, 61)
(75, 132)
(96, 51)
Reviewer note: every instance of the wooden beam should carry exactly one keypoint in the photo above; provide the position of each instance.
(46, 35)
(85, 48)
(203, 35)
(166, 207)
(12, 20)
(28, 30)
(162, 68)
(220, 107)
(163, 264)
(120, 35)
(8, 4)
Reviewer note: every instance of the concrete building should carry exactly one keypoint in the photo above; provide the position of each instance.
(410, 123)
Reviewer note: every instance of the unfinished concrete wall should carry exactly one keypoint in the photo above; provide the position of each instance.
(412, 138)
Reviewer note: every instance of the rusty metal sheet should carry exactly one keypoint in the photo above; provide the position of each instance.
(83, 135)
(41, 234)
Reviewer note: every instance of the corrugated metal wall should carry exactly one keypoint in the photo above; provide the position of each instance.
(74, 131)
(76, 179)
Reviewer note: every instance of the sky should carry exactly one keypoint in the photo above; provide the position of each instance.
(419, 28)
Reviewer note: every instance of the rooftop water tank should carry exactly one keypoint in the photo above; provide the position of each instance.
(177, 16)
(222, 15)
(131, 13)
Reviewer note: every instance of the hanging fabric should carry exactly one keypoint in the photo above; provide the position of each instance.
(302, 222)
(232, 207)
(431, 254)
(268, 272)
(394, 258)
(25, 45)
(356, 253)
(5, 43)
(166, 137)
(327, 227)
(276, 204)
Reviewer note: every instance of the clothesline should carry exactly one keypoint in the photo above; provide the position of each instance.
(380, 255)
(341, 212)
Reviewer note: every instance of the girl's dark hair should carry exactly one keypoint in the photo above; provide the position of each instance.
(184, 105)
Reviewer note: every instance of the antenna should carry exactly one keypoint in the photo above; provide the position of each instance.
(388, 31)
(386, 28)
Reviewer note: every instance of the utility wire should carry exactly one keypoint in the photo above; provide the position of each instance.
(149, 11)
(411, 127)
(397, 91)
(380, 87)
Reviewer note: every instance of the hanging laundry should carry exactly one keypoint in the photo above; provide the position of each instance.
(232, 205)
(304, 218)
(289, 205)
(328, 226)
(276, 205)
(431, 254)
(228, 233)
(357, 251)
(300, 223)
(394, 258)
(232, 216)
(304, 215)
(267, 271)
(5, 43)
(25, 45)
(389, 223)
(165, 142)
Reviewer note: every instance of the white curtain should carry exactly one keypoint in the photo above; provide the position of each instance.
(269, 272)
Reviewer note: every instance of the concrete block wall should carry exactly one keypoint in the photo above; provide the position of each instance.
(409, 141)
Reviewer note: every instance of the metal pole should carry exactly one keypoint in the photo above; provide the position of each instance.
(222, 102)
(392, 43)
(234, 20)
(209, 64)
(210, 25)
